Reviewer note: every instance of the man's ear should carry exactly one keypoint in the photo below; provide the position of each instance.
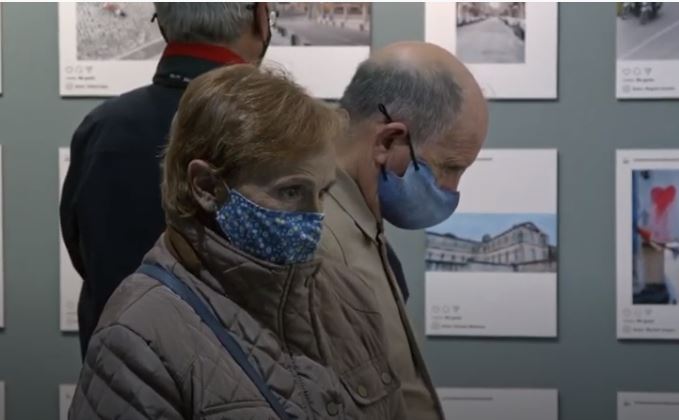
(162, 33)
(262, 27)
(387, 136)
(206, 187)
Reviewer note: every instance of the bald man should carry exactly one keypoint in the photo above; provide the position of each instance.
(418, 120)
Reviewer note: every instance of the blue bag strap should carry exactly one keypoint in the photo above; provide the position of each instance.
(207, 316)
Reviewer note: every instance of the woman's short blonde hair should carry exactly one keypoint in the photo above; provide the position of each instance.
(242, 117)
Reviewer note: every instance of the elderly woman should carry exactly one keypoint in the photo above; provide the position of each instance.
(230, 316)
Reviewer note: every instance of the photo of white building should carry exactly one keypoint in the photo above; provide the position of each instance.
(523, 247)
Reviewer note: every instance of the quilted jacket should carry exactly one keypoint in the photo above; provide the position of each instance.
(315, 340)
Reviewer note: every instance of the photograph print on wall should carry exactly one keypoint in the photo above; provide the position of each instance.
(320, 44)
(106, 49)
(647, 49)
(321, 24)
(647, 244)
(491, 32)
(510, 47)
(491, 267)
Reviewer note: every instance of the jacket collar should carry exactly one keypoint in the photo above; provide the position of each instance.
(183, 62)
(266, 291)
(348, 196)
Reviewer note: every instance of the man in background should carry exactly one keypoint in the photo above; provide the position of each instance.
(111, 194)
(418, 120)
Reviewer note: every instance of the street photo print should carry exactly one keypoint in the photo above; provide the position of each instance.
(491, 32)
(647, 31)
(647, 50)
(320, 44)
(510, 47)
(106, 49)
(117, 31)
(321, 24)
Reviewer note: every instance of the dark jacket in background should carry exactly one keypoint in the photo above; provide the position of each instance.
(110, 209)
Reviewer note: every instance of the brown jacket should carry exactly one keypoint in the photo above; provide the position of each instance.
(311, 330)
(354, 238)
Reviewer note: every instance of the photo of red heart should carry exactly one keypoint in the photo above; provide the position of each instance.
(663, 197)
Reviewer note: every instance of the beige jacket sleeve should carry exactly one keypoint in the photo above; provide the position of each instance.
(123, 378)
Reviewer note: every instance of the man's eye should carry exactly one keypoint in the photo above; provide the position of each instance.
(291, 193)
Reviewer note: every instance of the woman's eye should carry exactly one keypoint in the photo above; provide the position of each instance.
(291, 193)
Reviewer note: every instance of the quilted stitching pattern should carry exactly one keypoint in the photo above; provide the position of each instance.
(152, 358)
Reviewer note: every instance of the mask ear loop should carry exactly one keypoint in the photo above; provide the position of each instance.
(384, 112)
(223, 194)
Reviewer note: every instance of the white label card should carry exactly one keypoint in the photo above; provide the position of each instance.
(647, 244)
(492, 266)
(648, 406)
(69, 280)
(66, 393)
(499, 404)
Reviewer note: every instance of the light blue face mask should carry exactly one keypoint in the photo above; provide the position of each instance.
(279, 237)
(415, 200)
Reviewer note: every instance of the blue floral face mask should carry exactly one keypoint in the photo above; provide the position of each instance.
(279, 237)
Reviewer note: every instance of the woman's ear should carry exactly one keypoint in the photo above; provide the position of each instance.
(205, 186)
(386, 137)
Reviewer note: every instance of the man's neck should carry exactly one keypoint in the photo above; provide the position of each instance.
(351, 164)
(206, 51)
(248, 48)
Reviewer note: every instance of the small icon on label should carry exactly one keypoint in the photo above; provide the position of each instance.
(69, 69)
(626, 404)
(436, 309)
(627, 312)
(456, 308)
(88, 69)
(627, 329)
(435, 326)
(626, 71)
(446, 309)
(648, 70)
(69, 86)
(637, 312)
(637, 71)
(649, 311)
(626, 88)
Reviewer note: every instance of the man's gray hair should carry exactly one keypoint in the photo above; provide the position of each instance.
(426, 100)
(203, 22)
